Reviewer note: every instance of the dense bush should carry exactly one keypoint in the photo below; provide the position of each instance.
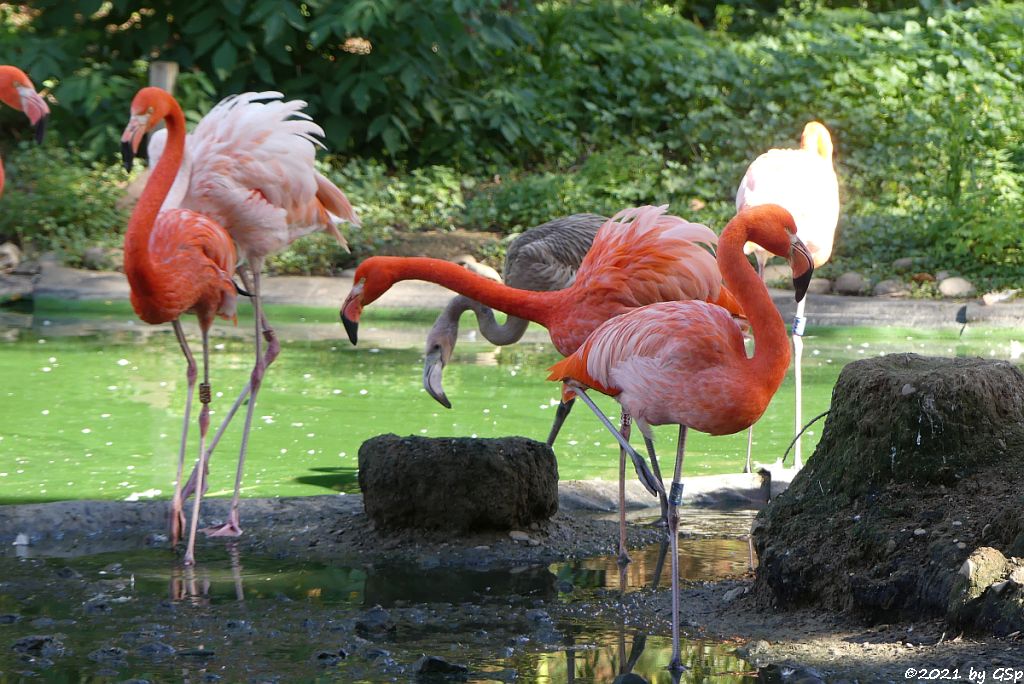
(531, 111)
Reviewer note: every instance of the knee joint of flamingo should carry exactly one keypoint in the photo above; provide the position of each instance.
(192, 372)
(256, 379)
(204, 419)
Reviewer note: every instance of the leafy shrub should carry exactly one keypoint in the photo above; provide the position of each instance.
(56, 201)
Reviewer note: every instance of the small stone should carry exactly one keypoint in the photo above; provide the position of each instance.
(908, 389)
(890, 546)
(519, 536)
(904, 263)
(10, 257)
(819, 286)
(429, 664)
(733, 594)
(1017, 576)
(110, 654)
(375, 622)
(891, 287)
(990, 298)
(156, 650)
(851, 283)
(9, 618)
(956, 523)
(40, 646)
(920, 532)
(956, 287)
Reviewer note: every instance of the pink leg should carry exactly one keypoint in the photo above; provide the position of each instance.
(675, 498)
(232, 528)
(625, 427)
(204, 425)
(177, 514)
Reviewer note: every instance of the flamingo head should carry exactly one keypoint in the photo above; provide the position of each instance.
(17, 91)
(440, 344)
(774, 228)
(816, 138)
(373, 278)
(149, 106)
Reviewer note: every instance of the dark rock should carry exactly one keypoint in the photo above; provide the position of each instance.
(330, 658)
(457, 484)
(43, 623)
(155, 650)
(9, 618)
(198, 653)
(375, 623)
(110, 654)
(911, 443)
(68, 573)
(40, 646)
(434, 665)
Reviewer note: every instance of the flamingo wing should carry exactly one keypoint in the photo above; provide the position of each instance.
(644, 255)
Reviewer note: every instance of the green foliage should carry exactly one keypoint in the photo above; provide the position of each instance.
(54, 200)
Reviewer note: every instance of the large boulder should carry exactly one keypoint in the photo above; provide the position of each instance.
(459, 484)
(918, 466)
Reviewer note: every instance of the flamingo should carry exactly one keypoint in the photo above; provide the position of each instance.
(249, 164)
(804, 182)
(684, 362)
(17, 92)
(543, 258)
(639, 257)
(177, 261)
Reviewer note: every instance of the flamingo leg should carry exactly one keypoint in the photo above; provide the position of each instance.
(674, 499)
(232, 527)
(798, 353)
(625, 427)
(662, 499)
(177, 512)
(561, 413)
(204, 425)
(646, 476)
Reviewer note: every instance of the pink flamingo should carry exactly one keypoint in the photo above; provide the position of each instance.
(177, 261)
(249, 164)
(804, 182)
(684, 362)
(639, 257)
(17, 92)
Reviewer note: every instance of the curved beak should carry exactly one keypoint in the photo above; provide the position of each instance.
(803, 266)
(35, 108)
(433, 367)
(131, 139)
(351, 310)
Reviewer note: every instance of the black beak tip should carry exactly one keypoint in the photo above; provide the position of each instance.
(801, 283)
(352, 328)
(127, 155)
(41, 128)
(443, 400)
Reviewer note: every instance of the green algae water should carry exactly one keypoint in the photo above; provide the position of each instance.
(92, 399)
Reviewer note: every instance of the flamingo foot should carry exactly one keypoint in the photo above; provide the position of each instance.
(676, 665)
(232, 528)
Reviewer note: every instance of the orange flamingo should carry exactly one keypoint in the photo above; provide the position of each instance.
(177, 261)
(684, 362)
(17, 91)
(249, 164)
(804, 182)
(639, 257)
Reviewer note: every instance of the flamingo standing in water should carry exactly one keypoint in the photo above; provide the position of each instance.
(249, 164)
(804, 182)
(684, 362)
(177, 261)
(543, 258)
(639, 257)
(17, 92)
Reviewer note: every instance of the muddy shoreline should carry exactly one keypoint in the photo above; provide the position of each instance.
(334, 531)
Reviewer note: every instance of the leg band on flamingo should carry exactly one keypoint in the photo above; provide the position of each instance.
(799, 325)
(204, 392)
(675, 496)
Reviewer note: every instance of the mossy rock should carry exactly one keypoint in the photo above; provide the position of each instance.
(913, 473)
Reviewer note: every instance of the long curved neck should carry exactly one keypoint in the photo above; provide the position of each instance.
(771, 345)
(535, 306)
(140, 225)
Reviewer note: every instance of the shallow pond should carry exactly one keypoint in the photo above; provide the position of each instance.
(92, 399)
(233, 618)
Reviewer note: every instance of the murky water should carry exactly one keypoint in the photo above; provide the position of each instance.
(141, 614)
(92, 400)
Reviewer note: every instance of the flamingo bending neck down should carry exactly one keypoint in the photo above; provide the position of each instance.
(639, 257)
(249, 164)
(804, 182)
(685, 363)
(177, 261)
(17, 92)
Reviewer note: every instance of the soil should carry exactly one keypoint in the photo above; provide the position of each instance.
(382, 644)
